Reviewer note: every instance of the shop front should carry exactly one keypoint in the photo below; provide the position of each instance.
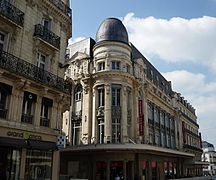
(107, 162)
(26, 156)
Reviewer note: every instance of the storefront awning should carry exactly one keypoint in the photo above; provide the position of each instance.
(140, 148)
(30, 144)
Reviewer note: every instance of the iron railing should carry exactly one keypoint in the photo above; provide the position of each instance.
(47, 35)
(62, 7)
(27, 118)
(44, 122)
(20, 67)
(11, 12)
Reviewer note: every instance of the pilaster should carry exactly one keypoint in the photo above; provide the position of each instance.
(124, 114)
(107, 114)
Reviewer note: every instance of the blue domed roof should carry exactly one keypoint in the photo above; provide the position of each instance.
(112, 29)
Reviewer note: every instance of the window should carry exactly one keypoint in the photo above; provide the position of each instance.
(3, 41)
(156, 115)
(172, 142)
(100, 97)
(101, 131)
(78, 100)
(38, 164)
(46, 23)
(45, 112)
(150, 114)
(116, 96)
(41, 60)
(10, 163)
(28, 107)
(76, 133)
(129, 130)
(157, 138)
(5, 92)
(101, 66)
(167, 121)
(128, 68)
(116, 65)
(163, 139)
(116, 130)
(168, 140)
(151, 138)
(162, 118)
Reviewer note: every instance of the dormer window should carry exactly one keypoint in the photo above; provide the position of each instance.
(101, 66)
(116, 65)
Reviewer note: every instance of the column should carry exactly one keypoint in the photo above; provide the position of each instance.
(37, 111)
(124, 114)
(54, 115)
(146, 132)
(94, 113)
(107, 114)
(86, 114)
(23, 164)
(56, 165)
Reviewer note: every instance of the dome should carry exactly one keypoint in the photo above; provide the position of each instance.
(112, 29)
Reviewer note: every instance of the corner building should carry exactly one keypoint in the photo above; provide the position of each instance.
(123, 121)
(33, 93)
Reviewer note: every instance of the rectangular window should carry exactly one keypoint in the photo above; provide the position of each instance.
(41, 60)
(45, 112)
(116, 65)
(157, 138)
(156, 115)
(162, 118)
(28, 107)
(167, 121)
(127, 68)
(100, 97)
(5, 92)
(116, 96)
(101, 66)
(46, 23)
(101, 131)
(163, 139)
(10, 163)
(2, 41)
(76, 133)
(116, 130)
(38, 164)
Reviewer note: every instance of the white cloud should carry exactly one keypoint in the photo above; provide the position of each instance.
(176, 39)
(71, 40)
(201, 95)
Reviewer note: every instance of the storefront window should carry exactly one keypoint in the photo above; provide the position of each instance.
(116, 170)
(10, 164)
(101, 167)
(154, 170)
(38, 165)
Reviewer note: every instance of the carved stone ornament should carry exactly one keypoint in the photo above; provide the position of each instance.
(107, 88)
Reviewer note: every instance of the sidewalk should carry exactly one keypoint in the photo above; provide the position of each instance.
(198, 178)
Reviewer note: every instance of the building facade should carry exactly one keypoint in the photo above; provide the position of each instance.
(125, 118)
(33, 93)
(209, 155)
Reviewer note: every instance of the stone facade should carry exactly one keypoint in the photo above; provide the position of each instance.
(33, 92)
(125, 118)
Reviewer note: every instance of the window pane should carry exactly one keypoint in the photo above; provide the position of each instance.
(38, 164)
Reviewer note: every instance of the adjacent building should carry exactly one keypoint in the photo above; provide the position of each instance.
(209, 155)
(33, 93)
(125, 120)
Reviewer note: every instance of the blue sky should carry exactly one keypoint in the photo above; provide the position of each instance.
(178, 37)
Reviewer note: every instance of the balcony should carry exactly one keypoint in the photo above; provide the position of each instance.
(47, 35)
(62, 7)
(44, 122)
(11, 12)
(27, 118)
(20, 67)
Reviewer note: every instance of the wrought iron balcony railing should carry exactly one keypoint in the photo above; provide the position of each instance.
(44, 122)
(47, 35)
(20, 67)
(11, 12)
(27, 118)
(62, 7)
